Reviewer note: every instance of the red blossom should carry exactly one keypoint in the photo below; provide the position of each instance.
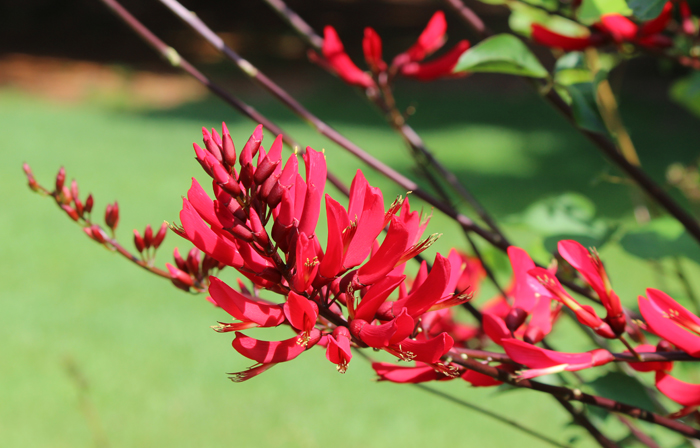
(339, 61)
(669, 320)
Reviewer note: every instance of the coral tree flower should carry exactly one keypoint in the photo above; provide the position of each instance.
(611, 28)
(541, 361)
(669, 320)
(409, 63)
(591, 269)
(262, 221)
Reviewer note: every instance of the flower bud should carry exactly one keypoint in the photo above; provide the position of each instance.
(89, 202)
(179, 261)
(138, 241)
(194, 257)
(70, 211)
(515, 319)
(211, 145)
(229, 151)
(268, 164)
(160, 236)
(60, 179)
(148, 236)
(179, 275)
(112, 215)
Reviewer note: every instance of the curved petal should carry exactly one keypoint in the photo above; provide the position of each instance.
(679, 391)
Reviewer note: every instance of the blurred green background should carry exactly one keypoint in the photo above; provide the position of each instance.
(97, 352)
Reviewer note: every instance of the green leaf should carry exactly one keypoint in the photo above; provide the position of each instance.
(686, 92)
(646, 9)
(503, 53)
(566, 214)
(622, 388)
(585, 107)
(549, 5)
(590, 10)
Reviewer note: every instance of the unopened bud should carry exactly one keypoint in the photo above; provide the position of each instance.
(148, 236)
(89, 202)
(225, 180)
(60, 179)
(179, 275)
(515, 319)
(70, 211)
(229, 151)
(30, 177)
(194, 258)
(138, 241)
(258, 228)
(211, 145)
(98, 235)
(112, 215)
(179, 260)
(160, 236)
(74, 189)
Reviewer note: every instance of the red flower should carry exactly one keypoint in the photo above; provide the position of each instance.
(338, 350)
(421, 373)
(544, 362)
(671, 321)
(683, 393)
(339, 61)
(584, 313)
(592, 270)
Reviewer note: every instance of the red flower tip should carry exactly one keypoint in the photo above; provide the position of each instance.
(339, 61)
(619, 27)
(372, 48)
(548, 38)
(431, 39)
(441, 67)
(338, 351)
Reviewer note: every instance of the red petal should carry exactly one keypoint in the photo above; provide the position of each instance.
(372, 47)
(666, 366)
(432, 38)
(376, 295)
(683, 393)
(546, 37)
(383, 261)
(206, 239)
(619, 27)
(332, 262)
(495, 328)
(658, 322)
(477, 379)
(300, 311)
(429, 351)
(539, 358)
(428, 293)
(379, 336)
(334, 53)
(369, 226)
(266, 352)
(403, 374)
(244, 308)
(439, 67)
(527, 288)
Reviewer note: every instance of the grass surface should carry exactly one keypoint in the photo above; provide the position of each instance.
(150, 372)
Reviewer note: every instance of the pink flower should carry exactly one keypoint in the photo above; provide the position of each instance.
(671, 321)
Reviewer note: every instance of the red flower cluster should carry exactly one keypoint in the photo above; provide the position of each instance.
(263, 223)
(618, 29)
(409, 63)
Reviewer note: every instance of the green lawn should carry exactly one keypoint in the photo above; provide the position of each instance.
(153, 370)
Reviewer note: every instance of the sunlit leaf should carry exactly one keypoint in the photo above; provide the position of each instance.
(503, 53)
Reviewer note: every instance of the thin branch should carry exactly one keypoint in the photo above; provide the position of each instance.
(479, 409)
(576, 395)
(580, 418)
(609, 149)
(172, 56)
